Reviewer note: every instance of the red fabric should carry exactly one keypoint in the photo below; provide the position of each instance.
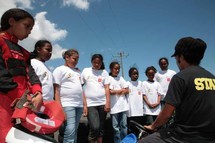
(5, 116)
(30, 120)
(23, 85)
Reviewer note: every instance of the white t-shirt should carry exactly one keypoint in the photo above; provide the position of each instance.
(152, 90)
(69, 80)
(94, 89)
(45, 77)
(164, 78)
(135, 98)
(119, 103)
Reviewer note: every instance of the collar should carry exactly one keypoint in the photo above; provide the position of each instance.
(7, 36)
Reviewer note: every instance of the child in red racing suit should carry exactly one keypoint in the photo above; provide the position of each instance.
(16, 73)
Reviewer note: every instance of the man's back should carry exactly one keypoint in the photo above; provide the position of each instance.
(192, 92)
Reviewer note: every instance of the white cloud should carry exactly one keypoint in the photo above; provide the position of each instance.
(45, 29)
(7, 4)
(25, 4)
(81, 4)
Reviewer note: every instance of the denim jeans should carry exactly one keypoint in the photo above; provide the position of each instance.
(119, 123)
(73, 115)
(150, 119)
(96, 118)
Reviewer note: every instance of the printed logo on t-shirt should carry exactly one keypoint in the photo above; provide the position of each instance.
(99, 79)
(69, 75)
(204, 83)
(168, 79)
(45, 75)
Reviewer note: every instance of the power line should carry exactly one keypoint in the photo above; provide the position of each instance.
(121, 55)
(90, 28)
(116, 22)
(98, 17)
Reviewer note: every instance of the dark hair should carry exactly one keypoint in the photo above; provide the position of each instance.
(111, 66)
(39, 44)
(69, 53)
(192, 49)
(131, 70)
(15, 13)
(163, 58)
(150, 68)
(101, 58)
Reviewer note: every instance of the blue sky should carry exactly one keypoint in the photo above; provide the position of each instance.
(144, 30)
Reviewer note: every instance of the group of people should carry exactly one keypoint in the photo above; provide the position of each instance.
(93, 92)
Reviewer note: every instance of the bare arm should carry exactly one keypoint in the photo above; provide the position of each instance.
(125, 91)
(122, 91)
(158, 102)
(84, 104)
(57, 93)
(147, 101)
(107, 94)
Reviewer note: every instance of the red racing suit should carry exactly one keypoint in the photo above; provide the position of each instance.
(16, 76)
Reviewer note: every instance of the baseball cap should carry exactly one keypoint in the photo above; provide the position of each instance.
(189, 46)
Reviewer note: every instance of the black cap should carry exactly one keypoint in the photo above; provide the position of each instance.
(189, 46)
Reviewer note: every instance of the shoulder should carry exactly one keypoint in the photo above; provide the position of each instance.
(121, 78)
(144, 82)
(36, 62)
(105, 72)
(60, 68)
(87, 69)
(171, 71)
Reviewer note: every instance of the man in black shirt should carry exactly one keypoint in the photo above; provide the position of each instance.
(191, 95)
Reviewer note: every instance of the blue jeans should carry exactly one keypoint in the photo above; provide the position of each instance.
(73, 116)
(150, 119)
(119, 123)
(96, 118)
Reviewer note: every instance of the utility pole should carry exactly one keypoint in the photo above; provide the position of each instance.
(121, 55)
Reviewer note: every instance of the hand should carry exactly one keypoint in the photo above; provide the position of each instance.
(85, 110)
(124, 91)
(150, 128)
(107, 107)
(37, 101)
(154, 105)
(150, 105)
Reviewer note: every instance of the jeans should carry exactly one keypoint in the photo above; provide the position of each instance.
(96, 118)
(119, 123)
(73, 116)
(150, 119)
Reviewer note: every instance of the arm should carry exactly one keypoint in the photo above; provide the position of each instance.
(158, 102)
(147, 101)
(162, 118)
(6, 79)
(114, 92)
(107, 94)
(36, 87)
(57, 96)
(84, 104)
(125, 91)
(122, 91)
(57, 93)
